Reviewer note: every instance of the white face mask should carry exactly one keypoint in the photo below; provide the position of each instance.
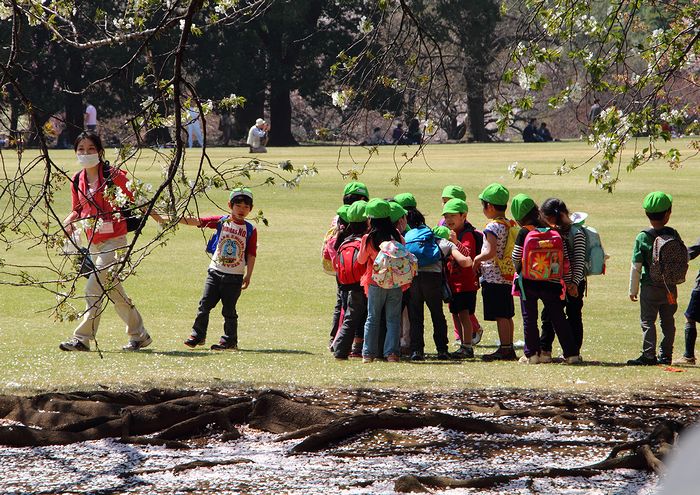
(88, 161)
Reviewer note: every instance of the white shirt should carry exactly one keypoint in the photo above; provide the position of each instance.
(254, 136)
(91, 113)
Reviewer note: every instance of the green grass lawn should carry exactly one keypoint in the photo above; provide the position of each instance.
(284, 317)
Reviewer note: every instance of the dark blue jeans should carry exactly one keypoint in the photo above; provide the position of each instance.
(222, 287)
(549, 293)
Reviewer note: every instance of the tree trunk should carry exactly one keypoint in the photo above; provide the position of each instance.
(74, 102)
(281, 114)
(475, 104)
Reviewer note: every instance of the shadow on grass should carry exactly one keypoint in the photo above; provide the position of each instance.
(206, 352)
(276, 351)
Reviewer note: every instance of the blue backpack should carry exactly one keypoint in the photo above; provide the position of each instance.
(214, 239)
(422, 243)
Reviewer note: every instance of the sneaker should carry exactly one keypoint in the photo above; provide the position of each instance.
(339, 358)
(534, 359)
(443, 356)
(356, 351)
(406, 352)
(501, 354)
(463, 352)
(367, 359)
(545, 357)
(135, 345)
(574, 360)
(664, 360)
(393, 358)
(193, 341)
(74, 344)
(223, 345)
(643, 361)
(417, 356)
(476, 336)
(684, 360)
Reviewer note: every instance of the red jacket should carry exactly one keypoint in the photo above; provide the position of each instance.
(463, 279)
(98, 207)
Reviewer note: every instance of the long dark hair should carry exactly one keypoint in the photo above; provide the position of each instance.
(532, 218)
(555, 207)
(352, 229)
(96, 140)
(381, 229)
(414, 217)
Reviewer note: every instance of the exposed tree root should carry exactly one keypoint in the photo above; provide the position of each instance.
(184, 467)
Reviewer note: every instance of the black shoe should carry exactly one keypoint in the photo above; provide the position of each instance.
(643, 361)
(664, 360)
(501, 354)
(193, 341)
(135, 345)
(417, 356)
(463, 353)
(74, 344)
(223, 345)
(443, 356)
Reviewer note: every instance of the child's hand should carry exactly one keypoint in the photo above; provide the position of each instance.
(572, 290)
(453, 237)
(246, 282)
(633, 298)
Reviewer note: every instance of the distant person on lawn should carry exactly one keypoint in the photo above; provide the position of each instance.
(230, 270)
(106, 234)
(530, 134)
(258, 136)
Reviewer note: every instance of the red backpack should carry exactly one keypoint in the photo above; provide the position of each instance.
(348, 270)
(543, 255)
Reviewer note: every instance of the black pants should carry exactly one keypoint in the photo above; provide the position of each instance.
(573, 307)
(227, 289)
(341, 302)
(426, 288)
(353, 322)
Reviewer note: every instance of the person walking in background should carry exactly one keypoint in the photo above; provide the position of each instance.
(257, 136)
(594, 111)
(397, 134)
(90, 118)
(194, 129)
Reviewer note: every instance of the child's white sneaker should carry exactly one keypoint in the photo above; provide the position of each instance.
(545, 357)
(534, 359)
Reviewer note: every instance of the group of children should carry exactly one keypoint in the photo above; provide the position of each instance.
(389, 265)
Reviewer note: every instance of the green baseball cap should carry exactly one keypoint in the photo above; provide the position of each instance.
(454, 192)
(441, 231)
(378, 208)
(496, 194)
(356, 188)
(521, 205)
(343, 213)
(657, 202)
(396, 211)
(455, 205)
(356, 211)
(405, 200)
(240, 191)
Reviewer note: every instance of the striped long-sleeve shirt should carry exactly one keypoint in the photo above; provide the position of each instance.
(575, 255)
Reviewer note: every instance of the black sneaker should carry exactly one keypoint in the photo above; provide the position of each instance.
(417, 356)
(135, 345)
(74, 344)
(443, 356)
(643, 361)
(193, 341)
(463, 353)
(501, 354)
(223, 345)
(664, 360)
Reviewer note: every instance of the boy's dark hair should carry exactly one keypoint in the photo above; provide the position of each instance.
(381, 229)
(349, 199)
(352, 229)
(499, 208)
(242, 199)
(414, 218)
(96, 140)
(658, 216)
(532, 218)
(554, 207)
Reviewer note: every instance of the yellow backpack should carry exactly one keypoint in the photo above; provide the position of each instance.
(505, 264)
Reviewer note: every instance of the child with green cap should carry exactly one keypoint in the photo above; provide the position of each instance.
(349, 339)
(230, 270)
(493, 262)
(379, 298)
(353, 191)
(549, 291)
(657, 298)
(692, 313)
(463, 281)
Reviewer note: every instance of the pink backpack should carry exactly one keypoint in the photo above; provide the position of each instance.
(543, 255)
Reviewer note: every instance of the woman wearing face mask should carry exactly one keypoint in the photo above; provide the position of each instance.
(95, 206)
